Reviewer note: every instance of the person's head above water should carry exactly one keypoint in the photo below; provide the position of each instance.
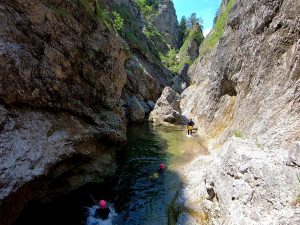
(162, 166)
(102, 204)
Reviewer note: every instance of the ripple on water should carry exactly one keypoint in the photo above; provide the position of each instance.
(143, 196)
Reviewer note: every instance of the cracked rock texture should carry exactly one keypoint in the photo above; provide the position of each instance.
(242, 184)
(250, 81)
(61, 80)
(247, 86)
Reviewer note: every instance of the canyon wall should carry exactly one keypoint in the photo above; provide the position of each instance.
(67, 81)
(249, 81)
(245, 100)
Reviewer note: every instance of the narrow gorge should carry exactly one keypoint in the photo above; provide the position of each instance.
(95, 94)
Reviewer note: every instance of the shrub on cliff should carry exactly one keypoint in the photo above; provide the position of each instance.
(118, 21)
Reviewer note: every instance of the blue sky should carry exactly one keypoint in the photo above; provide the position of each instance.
(206, 9)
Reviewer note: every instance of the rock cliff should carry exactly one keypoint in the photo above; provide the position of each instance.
(249, 82)
(165, 21)
(245, 83)
(146, 76)
(68, 81)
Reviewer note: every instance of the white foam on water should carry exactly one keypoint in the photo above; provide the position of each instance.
(92, 220)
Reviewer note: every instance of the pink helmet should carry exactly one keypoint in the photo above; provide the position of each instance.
(162, 166)
(102, 204)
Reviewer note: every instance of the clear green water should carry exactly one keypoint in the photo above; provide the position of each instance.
(138, 194)
(143, 196)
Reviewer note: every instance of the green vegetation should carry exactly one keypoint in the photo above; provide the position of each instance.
(138, 43)
(183, 28)
(118, 21)
(192, 30)
(170, 60)
(102, 14)
(61, 12)
(84, 3)
(211, 41)
(238, 134)
(147, 7)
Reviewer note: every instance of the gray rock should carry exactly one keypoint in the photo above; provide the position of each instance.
(250, 80)
(146, 107)
(294, 155)
(242, 185)
(135, 110)
(167, 108)
(151, 104)
(166, 22)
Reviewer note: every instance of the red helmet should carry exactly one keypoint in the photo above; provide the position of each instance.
(102, 204)
(162, 166)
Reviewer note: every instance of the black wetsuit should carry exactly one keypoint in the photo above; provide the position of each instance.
(190, 124)
(102, 213)
(160, 171)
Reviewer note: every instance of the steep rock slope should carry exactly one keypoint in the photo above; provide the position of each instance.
(61, 78)
(146, 76)
(246, 84)
(250, 81)
(165, 21)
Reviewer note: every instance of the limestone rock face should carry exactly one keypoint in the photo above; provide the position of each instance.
(247, 86)
(61, 79)
(146, 77)
(167, 108)
(250, 81)
(166, 22)
(243, 184)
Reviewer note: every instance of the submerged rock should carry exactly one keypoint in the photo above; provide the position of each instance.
(167, 109)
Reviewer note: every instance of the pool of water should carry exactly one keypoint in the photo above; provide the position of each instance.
(142, 196)
(138, 195)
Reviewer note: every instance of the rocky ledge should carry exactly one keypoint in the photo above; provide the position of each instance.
(243, 184)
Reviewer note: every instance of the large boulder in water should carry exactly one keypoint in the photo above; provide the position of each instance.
(136, 111)
(167, 108)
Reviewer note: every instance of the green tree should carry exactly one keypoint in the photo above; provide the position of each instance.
(118, 21)
(216, 16)
(183, 27)
(194, 20)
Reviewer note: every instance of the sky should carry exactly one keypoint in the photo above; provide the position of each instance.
(206, 9)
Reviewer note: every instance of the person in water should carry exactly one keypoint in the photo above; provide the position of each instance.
(161, 168)
(103, 211)
(190, 126)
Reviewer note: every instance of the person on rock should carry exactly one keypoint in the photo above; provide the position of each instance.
(190, 126)
(103, 211)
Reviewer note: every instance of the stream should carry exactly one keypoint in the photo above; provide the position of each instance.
(138, 195)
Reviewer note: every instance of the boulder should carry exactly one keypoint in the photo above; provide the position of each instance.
(167, 108)
(151, 104)
(146, 107)
(136, 111)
